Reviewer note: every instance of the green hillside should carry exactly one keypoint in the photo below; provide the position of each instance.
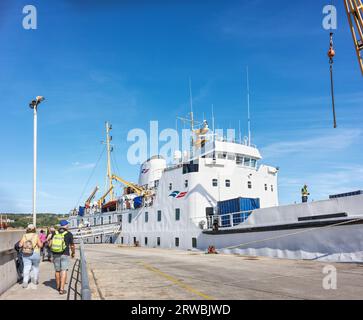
(21, 220)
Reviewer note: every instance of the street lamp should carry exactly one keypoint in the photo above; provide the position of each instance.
(34, 105)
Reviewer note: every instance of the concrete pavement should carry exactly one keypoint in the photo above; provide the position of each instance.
(46, 289)
(144, 273)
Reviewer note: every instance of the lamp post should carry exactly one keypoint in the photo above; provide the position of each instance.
(34, 105)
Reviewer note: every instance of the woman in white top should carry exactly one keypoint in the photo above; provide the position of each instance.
(31, 245)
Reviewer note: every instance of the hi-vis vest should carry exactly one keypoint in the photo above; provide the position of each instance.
(304, 191)
(58, 243)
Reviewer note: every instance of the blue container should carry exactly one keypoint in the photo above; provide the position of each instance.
(81, 211)
(137, 202)
(237, 205)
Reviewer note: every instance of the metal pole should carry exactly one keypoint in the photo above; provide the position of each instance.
(35, 168)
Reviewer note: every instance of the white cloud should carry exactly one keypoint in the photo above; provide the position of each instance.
(79, 165)
(330, 142)
(336, 180)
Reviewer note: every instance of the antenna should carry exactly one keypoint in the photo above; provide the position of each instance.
(248, 109)
(191, 103)
(213, 118)
(239, 131)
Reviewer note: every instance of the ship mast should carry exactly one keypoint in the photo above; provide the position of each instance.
(109, 172)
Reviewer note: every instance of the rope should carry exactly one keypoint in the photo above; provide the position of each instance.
(89, 178)
(291, 234)
(331, 55)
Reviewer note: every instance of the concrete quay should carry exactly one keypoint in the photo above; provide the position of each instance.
(120, 272)
(136, 273)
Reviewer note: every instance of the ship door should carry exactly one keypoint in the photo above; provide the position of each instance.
(209, 214)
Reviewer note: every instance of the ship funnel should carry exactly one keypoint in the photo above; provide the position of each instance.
(151, 170)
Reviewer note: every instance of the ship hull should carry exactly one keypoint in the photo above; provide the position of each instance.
(335, 243)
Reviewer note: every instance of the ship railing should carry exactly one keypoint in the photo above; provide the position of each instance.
(227, 220)
(85, 288)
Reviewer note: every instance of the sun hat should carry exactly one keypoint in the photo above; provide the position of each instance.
(63, 223)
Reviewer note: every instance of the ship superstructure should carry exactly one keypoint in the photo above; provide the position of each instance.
(219, 194)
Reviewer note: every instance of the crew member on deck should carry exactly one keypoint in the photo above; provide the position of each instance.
(304, 193)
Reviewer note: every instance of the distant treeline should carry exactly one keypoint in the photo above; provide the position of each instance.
(21, 220)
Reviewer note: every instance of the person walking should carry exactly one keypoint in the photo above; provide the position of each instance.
(50, 234)
(62, 246)
(30, 245)
(43, 239)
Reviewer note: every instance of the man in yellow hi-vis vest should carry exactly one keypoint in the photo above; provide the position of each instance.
(304, 193)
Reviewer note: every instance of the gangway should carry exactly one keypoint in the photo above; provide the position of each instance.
(106, 230)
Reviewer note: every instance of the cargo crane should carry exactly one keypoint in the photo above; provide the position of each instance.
(91, 197)
(100, 200)
(354, 9)
(137, 189)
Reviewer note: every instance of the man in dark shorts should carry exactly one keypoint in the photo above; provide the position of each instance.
(62, 247)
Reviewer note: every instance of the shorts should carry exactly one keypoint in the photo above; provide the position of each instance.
(61, 262)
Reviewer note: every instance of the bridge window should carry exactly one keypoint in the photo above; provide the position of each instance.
(159, 215)
(177, 214)
(231, 156)
(145, 241)
(228, 183)
(177, 242)
(239, 159)
(190, 167)
(246, 162)
(158, 241)
(249, 185)
(146, 216)
(101, 220)
(215, 182)
(253, 163)
(109, 219)
(130, 217)
(222, 155)
(194, 242)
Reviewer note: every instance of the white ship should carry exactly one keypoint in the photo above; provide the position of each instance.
(220, 195)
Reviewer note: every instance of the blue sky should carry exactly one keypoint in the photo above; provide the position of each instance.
(129, 62)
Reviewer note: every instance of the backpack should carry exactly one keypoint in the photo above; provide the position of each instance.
(58, 244)
(28, 246)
